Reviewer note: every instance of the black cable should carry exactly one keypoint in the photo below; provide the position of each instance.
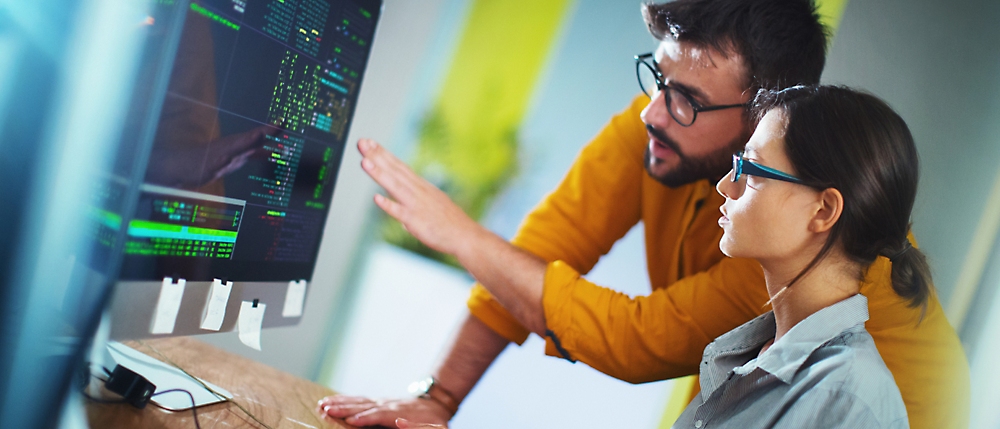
(194, 406)
(101, 400)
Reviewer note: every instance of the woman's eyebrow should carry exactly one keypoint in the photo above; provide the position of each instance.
(751, 152)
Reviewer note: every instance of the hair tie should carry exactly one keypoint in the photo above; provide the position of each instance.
(906, 246)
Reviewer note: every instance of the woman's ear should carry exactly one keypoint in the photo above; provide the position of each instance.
(830, 206)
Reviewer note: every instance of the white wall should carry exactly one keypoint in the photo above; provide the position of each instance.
(937, 64)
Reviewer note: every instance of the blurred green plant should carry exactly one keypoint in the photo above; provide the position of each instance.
(468, 141)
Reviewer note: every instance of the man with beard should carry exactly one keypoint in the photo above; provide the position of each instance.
(657, 162)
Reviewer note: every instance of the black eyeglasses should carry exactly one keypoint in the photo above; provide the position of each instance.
(682, 107)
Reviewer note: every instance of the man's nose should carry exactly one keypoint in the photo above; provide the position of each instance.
(655, 113)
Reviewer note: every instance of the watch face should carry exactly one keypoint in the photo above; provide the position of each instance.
(421, 387)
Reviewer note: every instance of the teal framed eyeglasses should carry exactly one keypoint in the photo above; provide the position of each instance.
(745, 166)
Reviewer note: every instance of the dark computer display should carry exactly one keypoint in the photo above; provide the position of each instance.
(249, 139)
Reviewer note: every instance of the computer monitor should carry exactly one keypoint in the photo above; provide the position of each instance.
(247, 104)
(246, 150)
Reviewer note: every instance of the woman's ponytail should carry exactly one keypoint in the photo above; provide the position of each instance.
(911, 275)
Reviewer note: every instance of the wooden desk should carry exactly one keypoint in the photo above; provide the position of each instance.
(278, 399)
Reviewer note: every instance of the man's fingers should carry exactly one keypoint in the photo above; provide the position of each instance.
(374, 417)
(402, 423)
(390, 207)
(341, 406)
(392, 181)
(344, 399)
(391, 162)
(384, 159)
(380, 175)
(392, 173)
(359, 411)
(365, 145)
(347, 410)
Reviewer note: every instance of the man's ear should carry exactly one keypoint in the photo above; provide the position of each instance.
(830, 206)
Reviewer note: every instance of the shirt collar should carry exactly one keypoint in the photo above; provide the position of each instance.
(733, 349)
(784, 358)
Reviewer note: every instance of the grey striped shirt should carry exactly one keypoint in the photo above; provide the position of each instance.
(824, 373)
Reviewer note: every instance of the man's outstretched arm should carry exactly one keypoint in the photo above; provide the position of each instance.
(513, 275)
(473, 349)
(602, 171)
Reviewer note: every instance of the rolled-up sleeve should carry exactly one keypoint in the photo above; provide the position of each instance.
(652, 337)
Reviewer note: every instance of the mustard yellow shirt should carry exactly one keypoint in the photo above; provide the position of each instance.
(698, 293)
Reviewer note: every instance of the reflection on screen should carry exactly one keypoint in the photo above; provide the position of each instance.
(249, 140)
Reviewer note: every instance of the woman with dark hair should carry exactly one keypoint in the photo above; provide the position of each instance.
(824, 186)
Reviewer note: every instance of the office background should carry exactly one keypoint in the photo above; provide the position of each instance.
(378, 314)
(384, 313)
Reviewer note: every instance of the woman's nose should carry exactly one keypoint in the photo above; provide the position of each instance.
(728, 188)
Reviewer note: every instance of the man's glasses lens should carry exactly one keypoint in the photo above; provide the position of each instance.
(677, 103)
(647, 79)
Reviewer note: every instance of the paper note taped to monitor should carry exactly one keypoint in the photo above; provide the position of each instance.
(295, 298)
(215, 305)
(167, 306)
(249, 323)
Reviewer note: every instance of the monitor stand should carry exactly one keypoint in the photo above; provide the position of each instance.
(166, 377)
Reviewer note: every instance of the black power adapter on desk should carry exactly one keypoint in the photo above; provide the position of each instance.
(135, 388)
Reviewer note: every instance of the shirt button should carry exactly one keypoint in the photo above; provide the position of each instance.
(697, 424)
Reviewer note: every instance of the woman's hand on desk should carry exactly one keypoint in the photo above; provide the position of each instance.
(360, 411)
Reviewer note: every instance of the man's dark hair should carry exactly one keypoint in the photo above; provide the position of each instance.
(837, 137)
(781, 42)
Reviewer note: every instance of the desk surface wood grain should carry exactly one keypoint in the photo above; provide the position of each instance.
(278, 399)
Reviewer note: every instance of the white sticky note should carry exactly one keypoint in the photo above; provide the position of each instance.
(249, 323)
(165, 314)
(215, 305)
(295, 298)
